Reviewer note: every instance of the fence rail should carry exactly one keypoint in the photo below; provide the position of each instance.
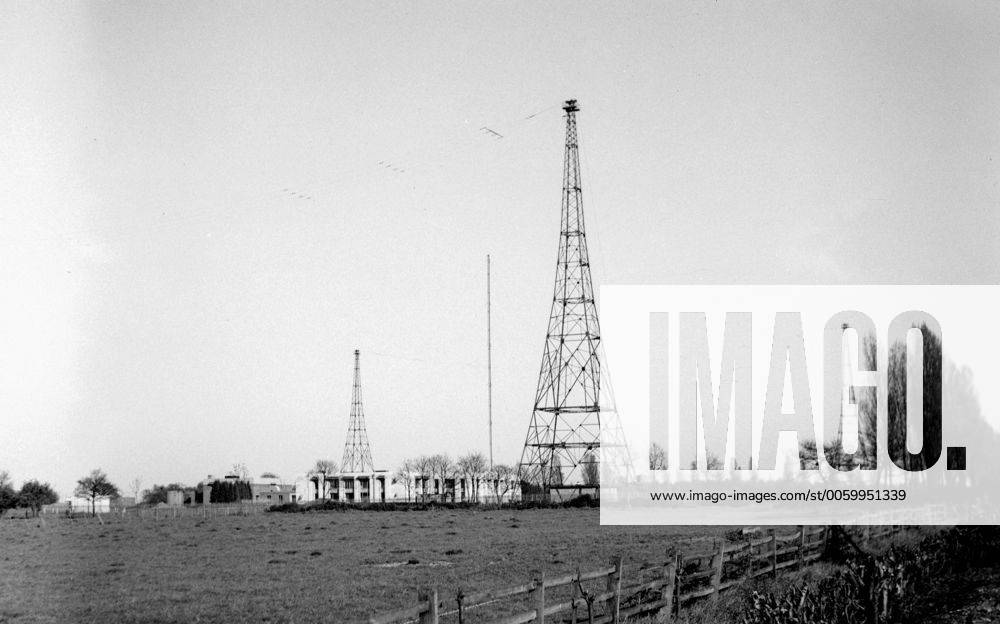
(611, 594)
(157, 513)
(198, 511)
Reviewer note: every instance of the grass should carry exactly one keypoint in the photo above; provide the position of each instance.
(311, 567)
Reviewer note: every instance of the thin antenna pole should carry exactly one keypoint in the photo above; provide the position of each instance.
(489, 359)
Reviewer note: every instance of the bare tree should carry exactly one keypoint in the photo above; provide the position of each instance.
(865, 399)
(322, 468)
(241, 471)
(501, 477)
(441, 467)
(404, 475)
(135, 486)
(452, 473)
(712, 462)
(591, 469)
(472, 466)
(657, 457)
(868, 409)
(424, 467)
(932, 367)
(94, 486)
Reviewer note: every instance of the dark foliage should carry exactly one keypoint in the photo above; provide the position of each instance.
(35, 494)
(230, 492)
(880, 589)
(328, 505)
(8, 497)
(585, 500)
(158, 493)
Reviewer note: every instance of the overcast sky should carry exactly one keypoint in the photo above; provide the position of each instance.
(206, 207)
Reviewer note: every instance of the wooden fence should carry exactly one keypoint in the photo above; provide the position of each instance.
(612, 594)
(198, 511)
(163, 513)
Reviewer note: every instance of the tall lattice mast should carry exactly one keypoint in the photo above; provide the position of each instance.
(560, 450)
(357, 453)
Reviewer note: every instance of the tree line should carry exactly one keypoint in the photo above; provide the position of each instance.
(32, 495)
(473, 466)
(222, 491)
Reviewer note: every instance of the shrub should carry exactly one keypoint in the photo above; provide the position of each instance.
(882, 588)
(584, 501)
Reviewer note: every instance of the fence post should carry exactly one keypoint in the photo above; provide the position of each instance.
(717, 562)
(748, 573)
(430, 616)
(802, 546)
(614, 585)
(540, 608)
(667, 594)
(774, 553)
(679, 567)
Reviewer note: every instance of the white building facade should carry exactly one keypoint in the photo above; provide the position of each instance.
(379, 487)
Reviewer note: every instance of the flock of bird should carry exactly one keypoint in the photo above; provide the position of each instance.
(486, 131)
(388, 165)
(491, 132)
(295, 194)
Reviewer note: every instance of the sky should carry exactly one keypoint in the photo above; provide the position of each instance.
(206, 207)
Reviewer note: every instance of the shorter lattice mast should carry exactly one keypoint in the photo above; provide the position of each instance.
(357, 452)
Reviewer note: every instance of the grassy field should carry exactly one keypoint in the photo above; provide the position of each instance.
(312, 567)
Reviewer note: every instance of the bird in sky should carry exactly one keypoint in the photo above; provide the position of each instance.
(495, 134)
